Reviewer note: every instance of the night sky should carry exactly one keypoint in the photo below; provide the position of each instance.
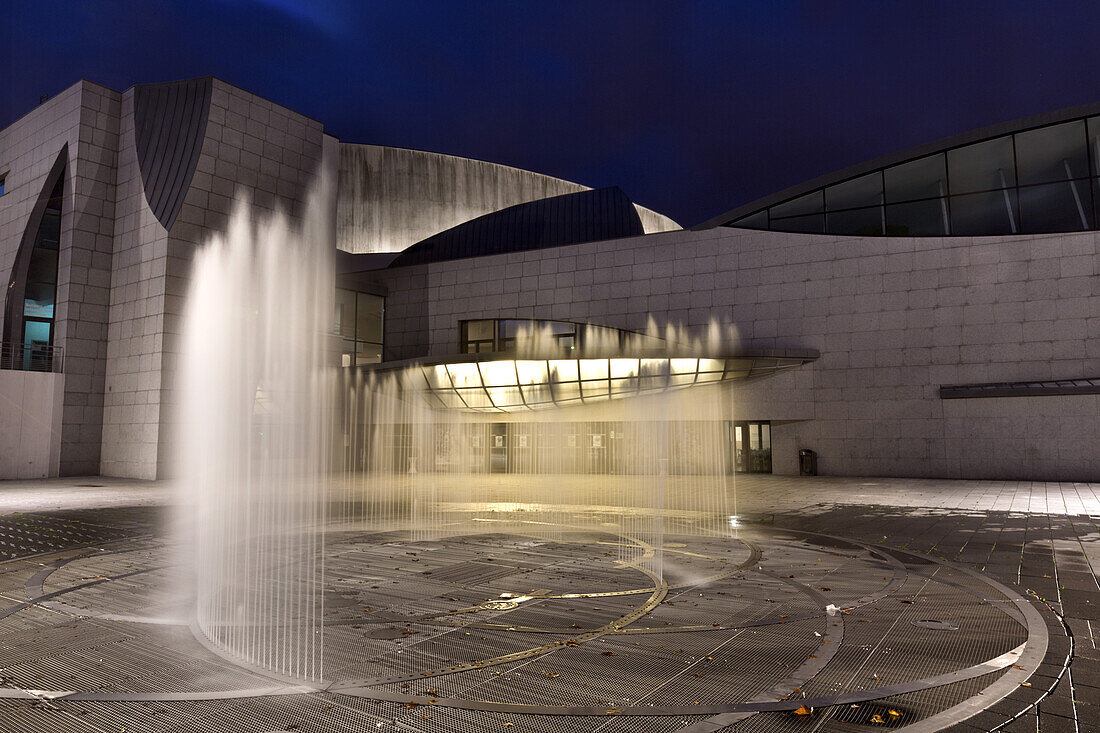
(692, 108)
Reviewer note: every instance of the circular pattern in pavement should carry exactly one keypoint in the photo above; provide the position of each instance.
(586, 630)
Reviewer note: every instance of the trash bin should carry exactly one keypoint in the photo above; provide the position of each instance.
(807, 462)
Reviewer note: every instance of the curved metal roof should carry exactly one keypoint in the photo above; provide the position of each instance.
(586, 216)
(902, 156)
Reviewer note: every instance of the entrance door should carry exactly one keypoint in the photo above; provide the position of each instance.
(752, 446)
(498, 448)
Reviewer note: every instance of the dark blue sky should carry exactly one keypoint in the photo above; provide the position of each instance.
(691, 107)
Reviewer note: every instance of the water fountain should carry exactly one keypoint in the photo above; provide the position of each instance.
(542, 536)
(256, 390)
(601, 440)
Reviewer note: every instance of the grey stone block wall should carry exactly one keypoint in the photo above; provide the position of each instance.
(85, 117)
(135, 333)
(253, 151)
(28, 149)
(893, 318)
(84, 280)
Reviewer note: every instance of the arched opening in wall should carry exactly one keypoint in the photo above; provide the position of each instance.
(30, 307)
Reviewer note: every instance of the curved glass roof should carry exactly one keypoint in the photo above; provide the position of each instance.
(1022, 178)
(514, 385)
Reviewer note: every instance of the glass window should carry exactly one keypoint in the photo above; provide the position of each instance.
(1054, 153)
(853, 194)
(567, 391)
(536, 393)
(1096, 199)
(1056, 207)
(43, 267)
(3, 180)
(917, 219)
(759, 220)
(479, 330)
(344, 317)
(813, 224)
(866, 222)
(992, 212)
(563, 370)
(358, 318)
(49, 231)
(477, 337)
(922, 178)
(811, 203)
(39, 288)
(1094, 143)
(36, 333)
(368, 318)
(38, 300)
(982, 166)
(474, 397)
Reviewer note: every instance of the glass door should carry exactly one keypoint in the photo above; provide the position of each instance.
(751, 443)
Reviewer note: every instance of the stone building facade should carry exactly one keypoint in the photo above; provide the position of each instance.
(956, 324)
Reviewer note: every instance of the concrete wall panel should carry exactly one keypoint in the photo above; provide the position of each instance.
(30, 423)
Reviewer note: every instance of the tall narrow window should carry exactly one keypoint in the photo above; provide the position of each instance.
(40, 293)
(359, 321)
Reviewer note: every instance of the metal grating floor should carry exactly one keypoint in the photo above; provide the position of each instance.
(731, 627)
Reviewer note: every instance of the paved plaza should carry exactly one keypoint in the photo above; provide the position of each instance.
(79, 557)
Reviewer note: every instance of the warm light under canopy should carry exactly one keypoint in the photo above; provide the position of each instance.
(512, 385)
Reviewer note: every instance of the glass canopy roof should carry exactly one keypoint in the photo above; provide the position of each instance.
(513, 385)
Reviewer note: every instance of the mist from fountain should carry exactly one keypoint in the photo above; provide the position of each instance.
(256, 386)
(279, 446)
(638, 467)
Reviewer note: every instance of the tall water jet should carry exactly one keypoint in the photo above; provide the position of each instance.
(542, 440)
(256, 391)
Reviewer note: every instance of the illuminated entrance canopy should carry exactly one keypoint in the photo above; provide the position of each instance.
(513, 385)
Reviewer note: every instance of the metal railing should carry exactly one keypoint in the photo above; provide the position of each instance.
(31, 357)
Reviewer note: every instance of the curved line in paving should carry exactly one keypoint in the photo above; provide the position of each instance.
(998, 663)
(1005, 660)
(37, 595)
(1032, 655)
(1022, 661)
(654, 600)
(900, 574)
(426, 619)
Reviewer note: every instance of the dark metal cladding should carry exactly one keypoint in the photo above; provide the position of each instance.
(169, 127)
(587, 216)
